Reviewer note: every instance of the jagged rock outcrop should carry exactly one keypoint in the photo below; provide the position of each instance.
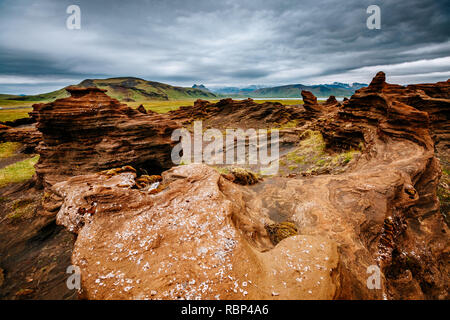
(142, 109)
(90, 131)
(314, 109)
(27, 135)
(435, 102)
(237, 113)
(308, 98)
(22, 130)
(200, 235)
(371, 104)
(332, 101)
(439, 90)
(310, 102)
(399, 148)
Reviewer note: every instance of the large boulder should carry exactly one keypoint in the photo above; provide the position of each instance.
(199, 238)
(89, 132)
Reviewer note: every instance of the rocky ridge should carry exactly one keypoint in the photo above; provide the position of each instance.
(90, 131)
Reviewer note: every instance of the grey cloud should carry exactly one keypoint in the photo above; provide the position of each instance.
(222, 42)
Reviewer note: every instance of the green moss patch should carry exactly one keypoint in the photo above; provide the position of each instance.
(311, 156)
(22, 209)
(8, 149)
(18, 172)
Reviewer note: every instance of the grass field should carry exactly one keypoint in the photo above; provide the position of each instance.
(17, 103)
(18, 172)
(13, 114)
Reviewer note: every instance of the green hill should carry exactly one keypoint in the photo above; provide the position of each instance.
(128, 89)
(61, 93)
(8, 96)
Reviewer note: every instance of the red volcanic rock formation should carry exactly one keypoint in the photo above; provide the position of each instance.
(90, 131)
(370, 108)
(439, 90)
(141, 109)
(314, 109)
(381, 100)
(27, 135)
(237, 113)
(433, 99)
(309, 98)
(310, 102)
(316, 113)
(414, 239)
(378, 82)
(331, 100)
(201, 236)
(197, 239)
(21, 130)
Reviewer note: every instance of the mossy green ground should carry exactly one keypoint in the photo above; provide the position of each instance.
(17, 103)
(287, 125)
(22, 208)
(13, 114)
(18, 172)
(311, 156)
(8, 149)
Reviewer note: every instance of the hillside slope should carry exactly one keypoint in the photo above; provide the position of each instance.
(129, 89)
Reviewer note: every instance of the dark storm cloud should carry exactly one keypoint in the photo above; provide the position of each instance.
(228, 42)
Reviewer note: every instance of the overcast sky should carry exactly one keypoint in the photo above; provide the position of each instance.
(221, 42)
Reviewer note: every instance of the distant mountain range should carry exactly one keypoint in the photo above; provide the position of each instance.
(289, 91)
(130, 89)
(235, 90)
